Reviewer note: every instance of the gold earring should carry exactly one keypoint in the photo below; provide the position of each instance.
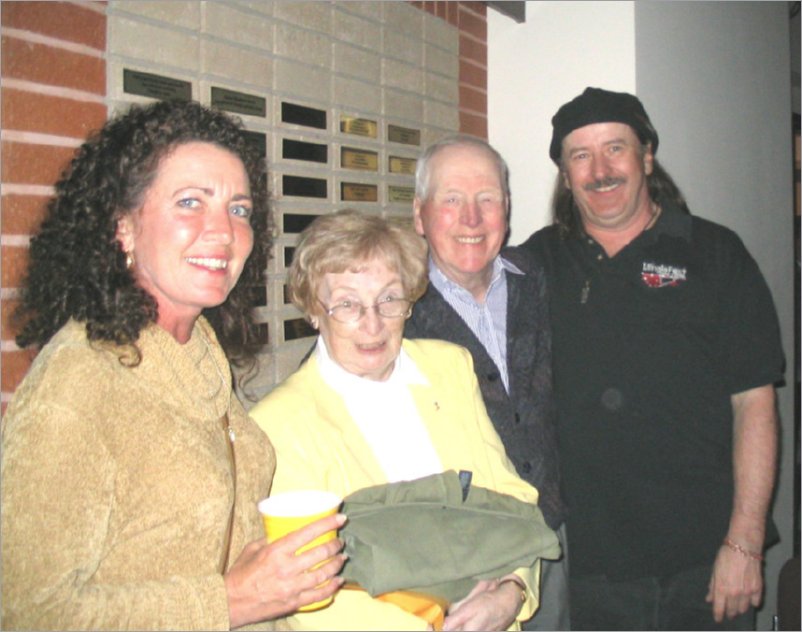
(129, 259)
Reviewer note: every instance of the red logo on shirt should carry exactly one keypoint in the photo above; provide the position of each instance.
(659, 275)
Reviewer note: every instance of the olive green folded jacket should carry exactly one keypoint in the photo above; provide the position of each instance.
(439, 535)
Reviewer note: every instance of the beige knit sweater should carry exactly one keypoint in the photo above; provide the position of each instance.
(117, 486)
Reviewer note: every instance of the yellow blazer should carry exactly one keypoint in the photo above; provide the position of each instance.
(318, 446)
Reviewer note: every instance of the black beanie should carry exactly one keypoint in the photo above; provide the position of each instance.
(595, 105)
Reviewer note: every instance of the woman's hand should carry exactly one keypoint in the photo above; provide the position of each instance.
(493, 604)
(269, 581)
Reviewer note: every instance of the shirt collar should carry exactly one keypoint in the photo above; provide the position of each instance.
(443, 284)
(672, 222)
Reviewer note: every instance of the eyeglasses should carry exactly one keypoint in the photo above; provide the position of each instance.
(353, 311)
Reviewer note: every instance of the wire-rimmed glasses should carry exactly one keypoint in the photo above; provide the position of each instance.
(353, 311)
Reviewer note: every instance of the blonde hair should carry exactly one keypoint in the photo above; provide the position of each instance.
(346, 239)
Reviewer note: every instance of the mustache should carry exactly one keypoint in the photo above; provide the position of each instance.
(604, 182)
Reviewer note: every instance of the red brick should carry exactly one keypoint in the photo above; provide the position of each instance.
(452, 15)
(62, 20)
(473, 24)
(23, 111)
(14, 260)
(472, 74)
(22, 214)
(24, 163)
(479, 8)
(473, 99)
(53, 66)
(8, 326)
(473, 124)
(473, 50)
(15, 366)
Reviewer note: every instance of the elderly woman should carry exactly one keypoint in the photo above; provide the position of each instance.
(369, 407)
(127, 503)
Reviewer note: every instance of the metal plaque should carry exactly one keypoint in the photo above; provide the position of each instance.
(160, 87)
(358, 126)
(297, 328)
(263, 334)
(302, 115)
(354, 192)
(400, 194)
(296, 222)
(257, 140)
(258, 295)
(239, 102)
(405, 135)
(351, 158)
(289, 253)
(305, 187)
(402, 165)
(302, 150)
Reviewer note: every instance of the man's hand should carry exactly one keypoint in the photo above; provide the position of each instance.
(736, 584)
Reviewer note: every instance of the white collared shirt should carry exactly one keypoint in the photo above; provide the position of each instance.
(387, 416)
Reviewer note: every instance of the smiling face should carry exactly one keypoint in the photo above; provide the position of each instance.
(369, 347)
(192, 235)
(605, 168)
(464, 217)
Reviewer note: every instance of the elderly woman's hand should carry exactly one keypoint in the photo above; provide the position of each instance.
(269, 580)
(493, 604)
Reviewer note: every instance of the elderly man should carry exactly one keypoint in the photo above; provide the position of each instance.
(666, 348)
(494, 306)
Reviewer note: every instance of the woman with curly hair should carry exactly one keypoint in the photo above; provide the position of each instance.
(127, 502)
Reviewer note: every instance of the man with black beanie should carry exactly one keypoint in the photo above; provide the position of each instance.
(666, 349)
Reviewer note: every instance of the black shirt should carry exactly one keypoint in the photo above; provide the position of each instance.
(648, 347)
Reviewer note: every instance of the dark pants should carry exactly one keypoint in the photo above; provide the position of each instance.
(676, 602)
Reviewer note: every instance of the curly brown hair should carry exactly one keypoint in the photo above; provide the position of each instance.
(77, 268)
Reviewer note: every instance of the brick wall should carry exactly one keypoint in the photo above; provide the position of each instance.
(471, 20)
(53, 95)
(54, 91)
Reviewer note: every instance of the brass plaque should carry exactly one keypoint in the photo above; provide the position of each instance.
(400, 194)
(405, 135)
(303, 115)
(239, 102)
(295, 222)
(402, 165)
(354, 192)
(302, 150)
(297, 328)
(304, 187)
(351, 158)
(257, 140)
(358, 126)
(146, 84)
(289, 253)
(258, 296)
(263, 334)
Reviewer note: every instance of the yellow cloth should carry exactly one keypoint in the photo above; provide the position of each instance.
(318, 446)
(116, 486)
(427, 607)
